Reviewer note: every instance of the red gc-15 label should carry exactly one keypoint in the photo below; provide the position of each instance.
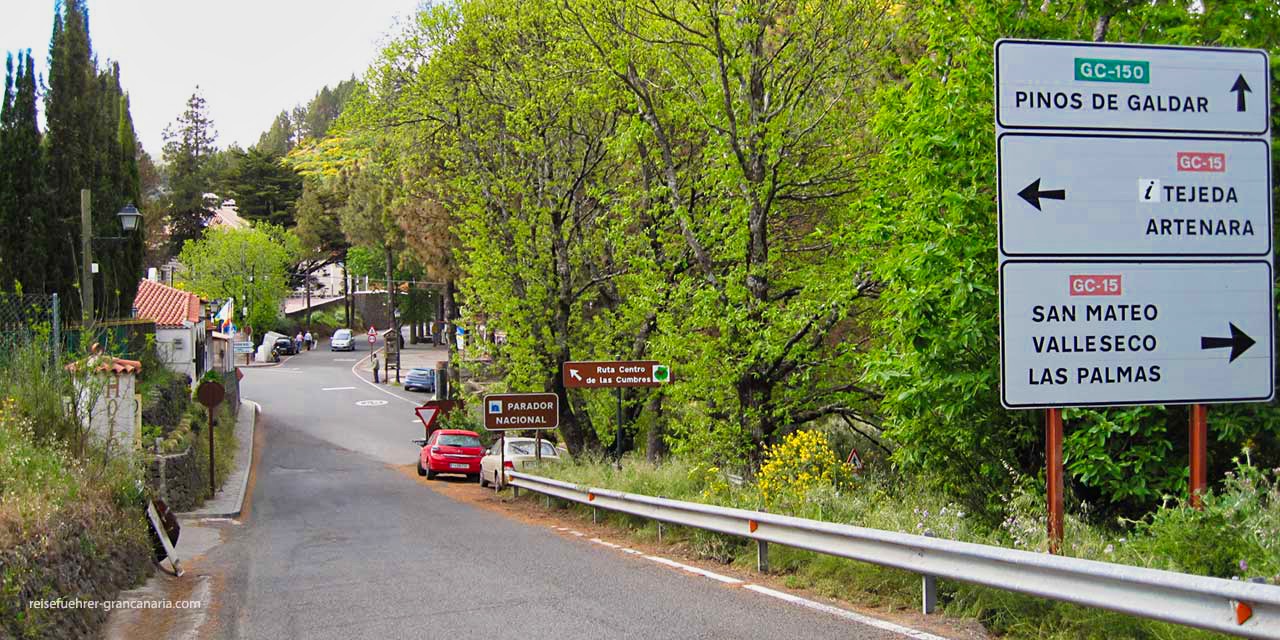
(1202, 161)
(1095, 285)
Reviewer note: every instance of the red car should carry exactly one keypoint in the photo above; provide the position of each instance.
(451, 451)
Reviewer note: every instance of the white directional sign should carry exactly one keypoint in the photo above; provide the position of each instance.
(1075, 195)
(1120, 333)
(1135, 268)
(1123, 87)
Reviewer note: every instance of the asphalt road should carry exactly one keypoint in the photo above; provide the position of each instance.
(338, 544)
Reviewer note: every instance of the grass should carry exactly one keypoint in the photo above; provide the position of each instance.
(1241, 522)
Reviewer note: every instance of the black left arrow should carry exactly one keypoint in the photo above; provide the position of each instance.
(1240, 87)
(1239, 342)
(1032, 194)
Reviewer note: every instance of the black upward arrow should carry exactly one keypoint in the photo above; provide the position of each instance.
(1032, 194)
(1240, 87)
(1239, 342)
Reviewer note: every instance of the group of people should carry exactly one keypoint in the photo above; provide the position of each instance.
(306, 340)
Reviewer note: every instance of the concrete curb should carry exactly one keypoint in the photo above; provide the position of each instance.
(244, 482)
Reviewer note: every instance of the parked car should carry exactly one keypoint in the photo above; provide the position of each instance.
(520, 454)
(286, 346)
(451, 451)
(421, 380)
(342, 341)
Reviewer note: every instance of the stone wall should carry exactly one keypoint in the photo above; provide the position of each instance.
(183, 484)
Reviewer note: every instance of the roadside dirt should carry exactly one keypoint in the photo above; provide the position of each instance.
(532, 511)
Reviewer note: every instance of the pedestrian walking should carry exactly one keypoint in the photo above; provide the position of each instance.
(297, 342)
(375, 368)
(311, 342)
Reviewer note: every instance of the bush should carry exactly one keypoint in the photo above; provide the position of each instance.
(794, 468)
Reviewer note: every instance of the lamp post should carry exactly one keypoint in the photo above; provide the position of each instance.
(129, 218)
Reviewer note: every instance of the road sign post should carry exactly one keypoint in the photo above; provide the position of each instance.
(1135, 226)
(616, 374)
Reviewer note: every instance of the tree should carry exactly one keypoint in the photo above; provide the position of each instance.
(87, 121)
(263, 187)
(23, 257)
(251, 265)
(189, 145)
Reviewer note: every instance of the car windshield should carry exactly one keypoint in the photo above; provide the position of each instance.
(421, 372)
(342, 334)
(526, 449)
(457, 440)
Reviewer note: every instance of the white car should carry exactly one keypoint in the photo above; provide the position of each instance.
(342, 341)
(519, 457)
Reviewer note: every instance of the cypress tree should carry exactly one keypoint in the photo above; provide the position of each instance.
(22, 194)
(70, 120)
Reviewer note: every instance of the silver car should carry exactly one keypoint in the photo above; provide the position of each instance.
(342, 341)
(520, 454)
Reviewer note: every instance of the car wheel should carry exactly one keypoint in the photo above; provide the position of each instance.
(483, 483)
(431, 475)
(421, 471)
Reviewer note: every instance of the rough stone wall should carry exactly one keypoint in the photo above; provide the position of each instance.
(184, 485)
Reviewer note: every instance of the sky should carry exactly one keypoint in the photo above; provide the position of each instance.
(251, 58)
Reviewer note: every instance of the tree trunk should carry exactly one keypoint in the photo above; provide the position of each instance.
(656, 447)
(306, 286)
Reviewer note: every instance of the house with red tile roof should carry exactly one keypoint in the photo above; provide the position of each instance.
(180, 326)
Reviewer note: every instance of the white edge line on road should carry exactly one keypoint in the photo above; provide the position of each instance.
(695, 570)
(607, 544)
(843, 613)
(376, 386)
(337, 388)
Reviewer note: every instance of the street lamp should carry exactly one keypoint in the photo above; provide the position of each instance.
(129, 217)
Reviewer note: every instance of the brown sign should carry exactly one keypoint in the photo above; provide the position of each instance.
(520, 411)
(622, 373)
(210, 394)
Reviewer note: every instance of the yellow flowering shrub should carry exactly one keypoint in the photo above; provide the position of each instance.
(802, 462)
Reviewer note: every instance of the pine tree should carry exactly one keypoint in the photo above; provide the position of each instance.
(188, 147)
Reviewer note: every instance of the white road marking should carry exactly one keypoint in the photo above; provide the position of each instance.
(337, 388)
(371, 403)
(695, 570)
(577, 533)
(842, 613)
(346, 359)
(607, 544)
(378, 386)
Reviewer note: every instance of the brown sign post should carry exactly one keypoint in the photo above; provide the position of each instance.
(210, 394)
(615, 374)
(521, 411)
(505, 412)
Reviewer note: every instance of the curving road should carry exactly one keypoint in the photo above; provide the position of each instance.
(338, 544)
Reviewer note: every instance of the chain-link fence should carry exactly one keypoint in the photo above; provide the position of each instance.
(28, 317)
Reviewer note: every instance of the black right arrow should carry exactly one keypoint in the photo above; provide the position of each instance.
(1240, 87)
(1032, 194)
(1239, 342)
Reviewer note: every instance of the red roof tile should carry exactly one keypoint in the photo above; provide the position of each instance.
(166, 306)
(105, 363)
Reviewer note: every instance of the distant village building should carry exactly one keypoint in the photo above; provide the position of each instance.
(180, 330)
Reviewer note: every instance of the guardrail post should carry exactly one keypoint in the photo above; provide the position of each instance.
(595, 516)
(762, 549)
(928, 589)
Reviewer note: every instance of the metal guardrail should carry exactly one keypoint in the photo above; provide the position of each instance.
(1196, 601)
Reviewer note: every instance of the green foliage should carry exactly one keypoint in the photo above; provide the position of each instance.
(251, 265)
(188, 151)
(263, 187)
